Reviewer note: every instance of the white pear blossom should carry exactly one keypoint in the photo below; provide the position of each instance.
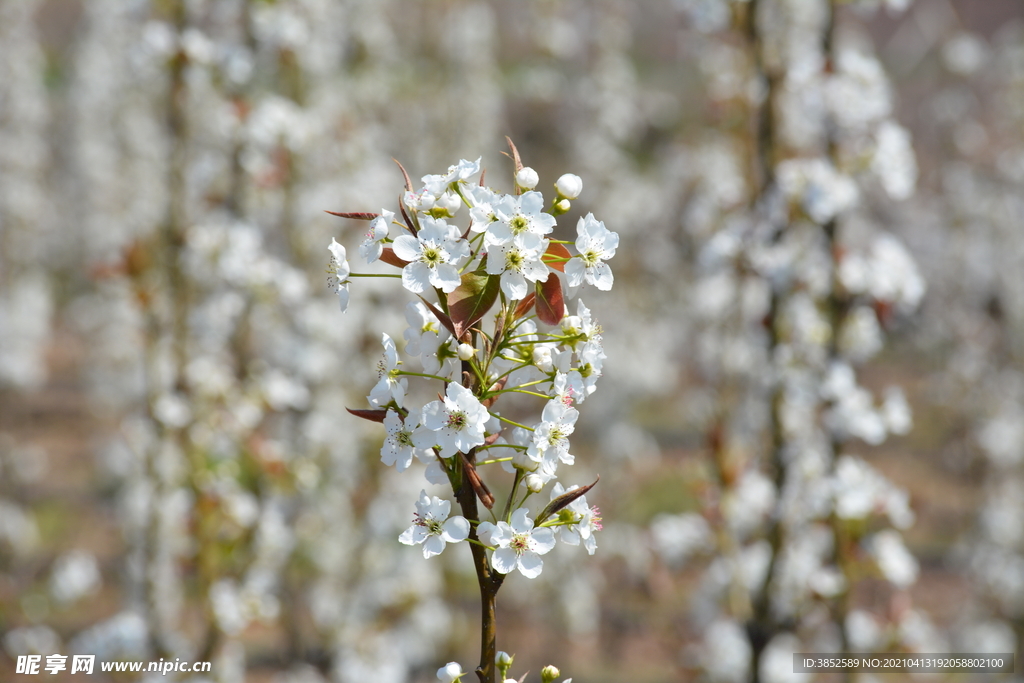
(595, 244)
(587, 520)
(389, 385)
(518, 261)
(339, 270)
(551, 437)
(460, 172)
(432, 528)
(399, 448)
(373, 245)
(519, 544)
(434, 255)
(455, 424)
(523, 214)
(421, 322)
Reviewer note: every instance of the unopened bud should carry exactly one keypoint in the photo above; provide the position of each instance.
(569, 186)
(503, 659)
(549, 673)
(466, 351)
(535, 483)
(527, 178)
(449, 202)
(563, 205)
(450, 672)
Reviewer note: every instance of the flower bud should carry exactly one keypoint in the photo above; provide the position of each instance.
(562, 206)
(569, 186)
(542, 358)
(527, 178)
(449, 202)
(466, 351)
(503, 660)
(535, 483)
(450, 672)
(549, 673)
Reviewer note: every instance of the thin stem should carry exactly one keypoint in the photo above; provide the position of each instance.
(375, 275)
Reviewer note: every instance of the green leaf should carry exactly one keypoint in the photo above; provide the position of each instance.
(550, 303)
(472, 299)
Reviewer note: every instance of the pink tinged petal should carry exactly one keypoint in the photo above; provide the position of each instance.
(445, 277)
(530, 565)
(416, 277)
(433, 546)
(600, 275)
(504, 560)
(406, 247)
(520, 522)
(456, 529)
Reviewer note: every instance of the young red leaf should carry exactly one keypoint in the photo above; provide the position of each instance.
(472, 299)
(375, 415)
(559, 252)
(525, 305)
(358, 215)
(550, 303)
(387, 255)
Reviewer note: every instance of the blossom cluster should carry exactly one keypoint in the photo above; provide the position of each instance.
(502, 255)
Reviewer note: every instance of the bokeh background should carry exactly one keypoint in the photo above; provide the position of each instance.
(810, 430)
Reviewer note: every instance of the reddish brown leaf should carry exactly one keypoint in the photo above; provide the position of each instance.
(515, 154)
(409, 223)
(563, 500)
(525, 305)
(472, 299)
(445, 320)
(357, 215)
(550, 304)
(558, 252)
(408, 182)
(375, 415)
(388, 256)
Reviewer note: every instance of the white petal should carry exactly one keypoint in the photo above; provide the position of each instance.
(456, 529)
(600, 275)
(433, 546)
(530, 565)
(543, 540)
(574, 271)
(445, 277)
(412, 535)
(406, 247)
(514, 285)
(416, 277)
(504, 560)
(520, 522)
